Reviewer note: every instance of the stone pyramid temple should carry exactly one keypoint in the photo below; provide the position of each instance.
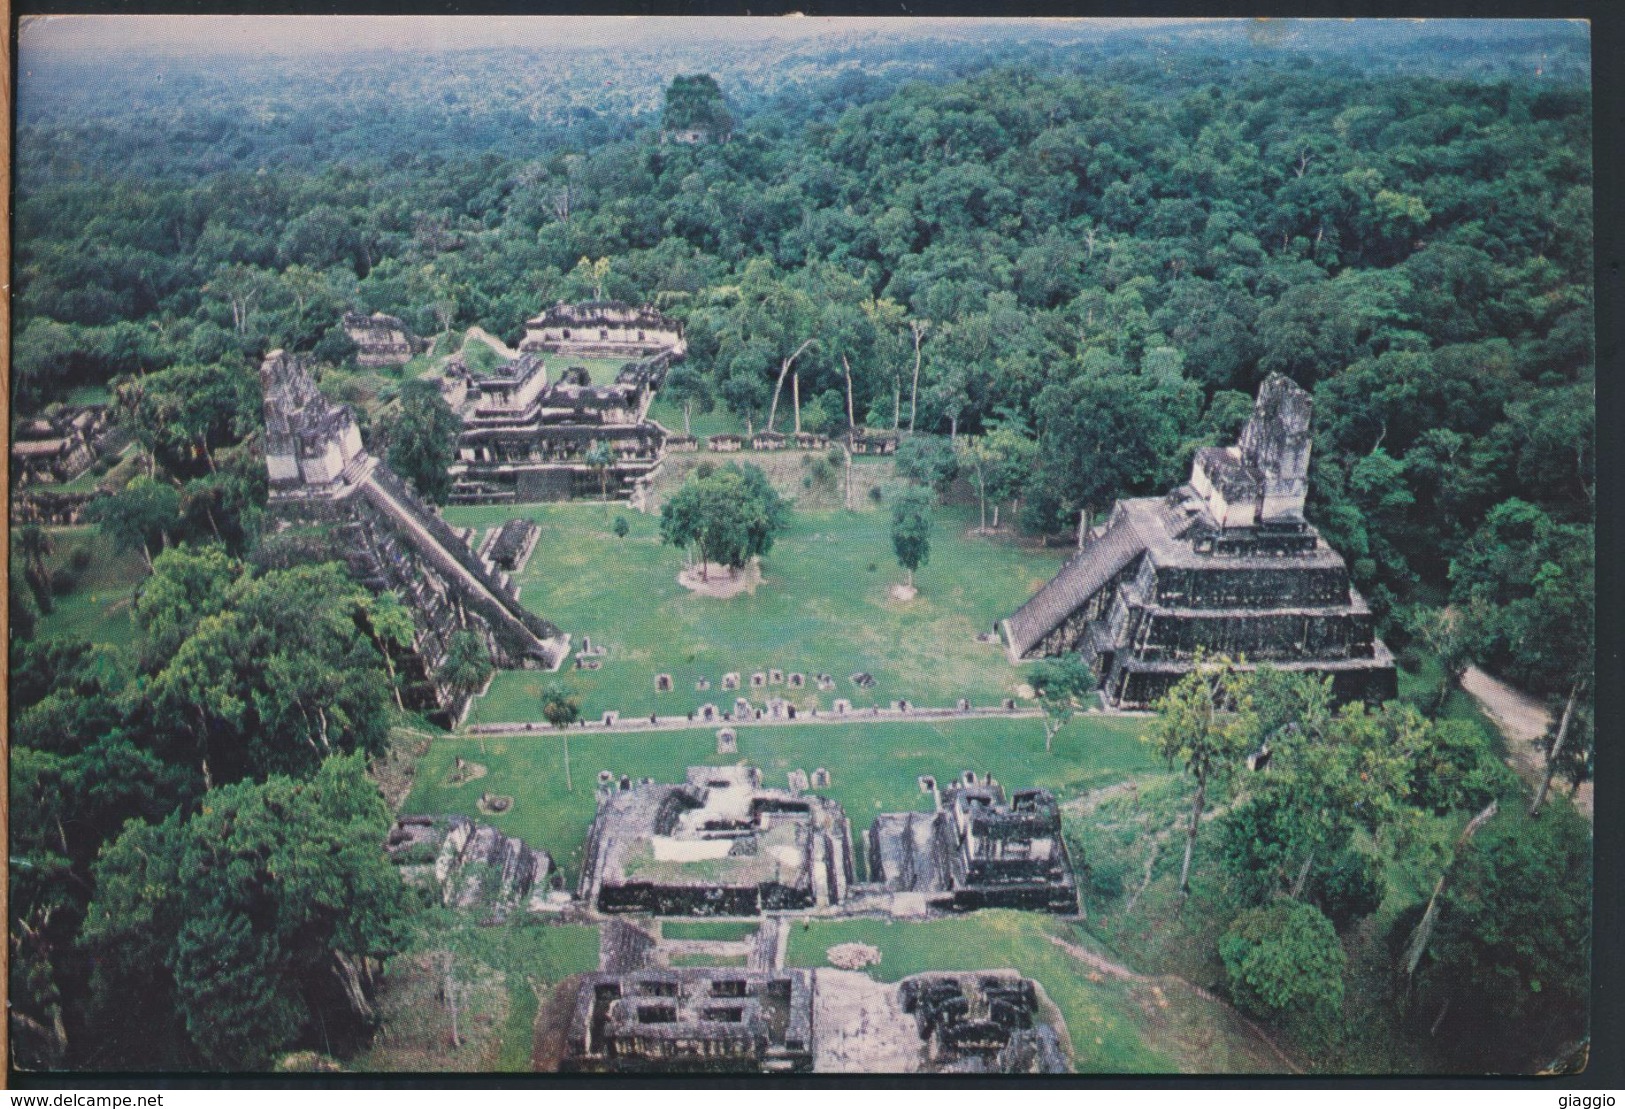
(1225, 564)
(321, 474)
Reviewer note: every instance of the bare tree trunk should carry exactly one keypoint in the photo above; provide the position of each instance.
(896, 402)
(918, 329)
(1418, 943)
(1303, 876)
(1557, 748)
(451, 1003)
(349, 977)
(1190, 839)
(783, 371)
(795, 397)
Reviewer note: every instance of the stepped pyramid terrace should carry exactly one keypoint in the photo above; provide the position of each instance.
(527, 438)
(321, 474)
(1225, 564)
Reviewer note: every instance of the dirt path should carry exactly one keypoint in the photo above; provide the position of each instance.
(1522, 720)
(491, 341)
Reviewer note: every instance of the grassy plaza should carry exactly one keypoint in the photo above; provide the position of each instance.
(824, 607)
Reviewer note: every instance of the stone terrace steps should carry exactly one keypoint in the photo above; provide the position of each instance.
(1080, 579)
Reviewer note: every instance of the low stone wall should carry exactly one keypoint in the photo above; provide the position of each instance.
(678, 723)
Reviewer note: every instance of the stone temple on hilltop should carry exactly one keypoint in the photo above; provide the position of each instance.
(1225, 564)
(321, 474)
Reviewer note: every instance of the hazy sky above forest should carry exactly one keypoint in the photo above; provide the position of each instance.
(294, 35)
(299, 34)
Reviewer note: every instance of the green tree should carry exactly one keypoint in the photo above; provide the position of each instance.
(1455, 637)
(187, 586)
(928, 460)
(140, 517)
(1061, 684)
(561, 709)
(729, 516)
(911, 530)
(1205, 723)
(1284, 958)
(280, 679)
(467, 664)
(261, 917)
(621, 528)
(1510, 954)
(390, 625)
(423, 440)
(685, 385)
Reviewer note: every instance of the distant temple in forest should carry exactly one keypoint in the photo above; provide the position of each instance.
(1225, 564)
(321, 474)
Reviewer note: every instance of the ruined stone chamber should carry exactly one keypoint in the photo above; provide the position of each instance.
(695, 1019)
(381, 340)
(1225, 564)
(977, 850)
(984, 1023)
(718, 844)
(526, 438)
(472, 867)
(321, 474)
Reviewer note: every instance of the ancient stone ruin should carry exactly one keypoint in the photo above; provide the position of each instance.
(718, 844)
(524, 439)
(471, 866)
(509, 548)
(1224, 564)
(981, 1023)
(701, 1018)
(603, 329)
(321, 474)
(977, 850)
(58, 446)
(381, 340)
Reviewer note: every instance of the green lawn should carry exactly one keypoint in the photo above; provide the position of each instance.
(708, 960)
(873, 767)
(90, 394)
(718, 421)
(531, 956)
(601, 370)
(821, 609)
(1105, 1035)
(98, 607)
(725, 931)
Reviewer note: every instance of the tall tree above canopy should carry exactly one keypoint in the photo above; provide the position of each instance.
(695, 103)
